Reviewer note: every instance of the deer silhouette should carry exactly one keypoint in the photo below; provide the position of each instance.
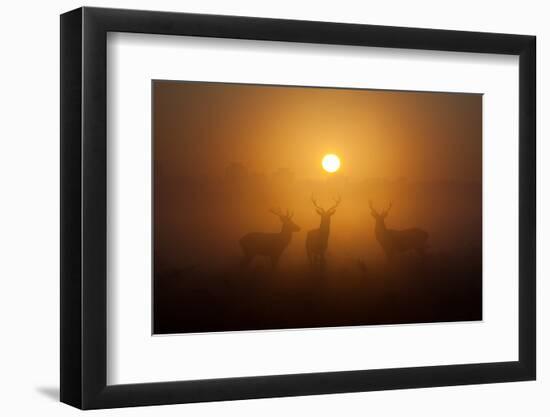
(271, 245)
(317, 239)
(396, 241)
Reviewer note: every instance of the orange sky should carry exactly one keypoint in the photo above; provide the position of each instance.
(201, 128)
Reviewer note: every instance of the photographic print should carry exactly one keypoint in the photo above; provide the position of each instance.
(290, 207)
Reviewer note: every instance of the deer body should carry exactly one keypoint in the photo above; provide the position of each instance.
(271, 245)
(397, 241)
(317, 239)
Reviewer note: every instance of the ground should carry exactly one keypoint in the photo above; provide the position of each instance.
(438, 288)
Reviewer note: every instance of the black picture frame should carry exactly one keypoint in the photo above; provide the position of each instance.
(84, 207)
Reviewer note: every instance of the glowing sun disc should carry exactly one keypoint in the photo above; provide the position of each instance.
(331, 163)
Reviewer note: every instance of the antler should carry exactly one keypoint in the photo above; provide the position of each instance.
(318, 207)
(289, 215)
(337, 201)
(276, 212)
(372, 207)
(388, 209)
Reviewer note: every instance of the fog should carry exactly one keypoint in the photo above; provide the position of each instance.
(198, 221)
(227, 155)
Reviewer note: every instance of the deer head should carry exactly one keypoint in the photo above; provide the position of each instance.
(286, 219)
(379, 215)
(326, 214)
(396, 241)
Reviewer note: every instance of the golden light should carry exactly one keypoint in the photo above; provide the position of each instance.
(331, 163)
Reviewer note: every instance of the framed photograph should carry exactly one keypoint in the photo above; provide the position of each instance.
(258, 208)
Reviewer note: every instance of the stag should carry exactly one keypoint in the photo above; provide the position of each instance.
(397, 241)
(317, 239)
(271, 245)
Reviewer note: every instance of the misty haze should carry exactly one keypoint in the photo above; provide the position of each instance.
(289, 207)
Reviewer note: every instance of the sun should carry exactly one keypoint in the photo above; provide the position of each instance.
(331, 163)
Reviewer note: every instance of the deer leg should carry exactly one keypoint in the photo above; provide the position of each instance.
(322, 262)
(315, 261)
(274, 261)
(246, 260)
(421, 255)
